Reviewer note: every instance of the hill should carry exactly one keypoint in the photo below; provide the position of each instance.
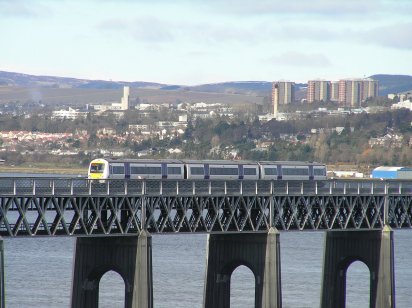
(63, 90)
(25, 80)
(24, 87)
(393, 83)
(16, 87)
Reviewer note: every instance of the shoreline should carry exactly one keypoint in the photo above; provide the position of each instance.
(66, 170)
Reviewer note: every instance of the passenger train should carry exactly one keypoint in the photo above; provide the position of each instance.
(204, 169)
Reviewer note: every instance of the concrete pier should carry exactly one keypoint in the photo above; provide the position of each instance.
(375, 249)
(130, 257)
(259, 252)
(2, 297)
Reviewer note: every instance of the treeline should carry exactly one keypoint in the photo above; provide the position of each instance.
(327, 145)
(220, 137)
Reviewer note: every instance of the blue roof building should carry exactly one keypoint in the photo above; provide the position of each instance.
(398, 173)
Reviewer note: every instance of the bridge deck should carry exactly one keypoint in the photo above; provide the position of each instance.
(79, 207)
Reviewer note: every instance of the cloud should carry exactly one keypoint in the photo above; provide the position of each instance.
(23, 9)
(113, 25)
(394, 36)
(293, 58)
(336, 7)
(152, 30)
(397, 35)
(156, 30)
(146, 29)
(309, 32)
(339, 7)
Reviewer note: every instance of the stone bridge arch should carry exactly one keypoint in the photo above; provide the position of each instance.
(130, 257)
(259, 252)
(372, 247)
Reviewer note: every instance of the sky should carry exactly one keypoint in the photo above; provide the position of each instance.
(190, 42)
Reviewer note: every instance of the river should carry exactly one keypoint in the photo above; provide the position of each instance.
(38, 273)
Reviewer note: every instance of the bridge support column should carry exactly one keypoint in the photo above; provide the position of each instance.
(2, 295)
(259, 252)
(130, 257)
(375, 249)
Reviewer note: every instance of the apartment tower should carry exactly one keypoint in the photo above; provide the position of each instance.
(318, 91)
(334, 91)
(350, 92)
(354, 91)
(369, 88)
(283, 92)
(125, 99)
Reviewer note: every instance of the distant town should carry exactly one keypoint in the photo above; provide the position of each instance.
(344, 123)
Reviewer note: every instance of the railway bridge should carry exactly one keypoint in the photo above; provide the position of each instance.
(113, 220)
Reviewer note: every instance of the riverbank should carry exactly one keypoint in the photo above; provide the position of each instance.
(65, 170)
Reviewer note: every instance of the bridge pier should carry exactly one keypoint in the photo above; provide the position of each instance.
(2, 299)
(130, 257)
(375, 249)
(259, 252)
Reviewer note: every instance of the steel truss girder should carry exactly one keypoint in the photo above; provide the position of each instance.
(114, 215)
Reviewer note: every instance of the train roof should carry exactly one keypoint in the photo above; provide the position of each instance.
(168, 161)
(178, 161)
(220, 162)
(294, 163)
(209, 161)
(392, 168)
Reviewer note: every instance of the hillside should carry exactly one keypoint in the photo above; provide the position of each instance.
(25, 80)
(50, 89)
(393, 83)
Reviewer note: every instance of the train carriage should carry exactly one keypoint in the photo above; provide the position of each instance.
(135, 169)
(221, 170)
(205, 169)
(292, 170)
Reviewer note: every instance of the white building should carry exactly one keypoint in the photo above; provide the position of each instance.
(404, 104)
(70, 114)
(123, 105)
(124, 102)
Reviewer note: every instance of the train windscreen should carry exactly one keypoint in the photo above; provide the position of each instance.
(96, 168)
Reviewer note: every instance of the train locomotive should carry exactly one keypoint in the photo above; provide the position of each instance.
(101, 169)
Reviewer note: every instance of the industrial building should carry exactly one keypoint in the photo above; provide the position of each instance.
(398, 173)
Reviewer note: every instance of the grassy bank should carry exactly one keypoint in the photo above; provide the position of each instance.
(44, 168)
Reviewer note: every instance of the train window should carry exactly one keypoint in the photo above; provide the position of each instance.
(249, 171)
(271, 171)
(295, 171)
(118, 169)
(96, 168)
(224, 171)
(197, 171)
(174, 170)
(319, 171)
(145, 170)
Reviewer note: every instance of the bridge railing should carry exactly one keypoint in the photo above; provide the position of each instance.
(78, 206)
(83, 186)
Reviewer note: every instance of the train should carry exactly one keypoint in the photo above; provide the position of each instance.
(102, 168)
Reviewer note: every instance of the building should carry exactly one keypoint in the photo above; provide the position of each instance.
(318, 91)
(124, 101)
(282, 94)
(334, 91)
(383, 172)
(354, 91)
(350, 92)
(111, 106)
(70, 114)
(407, 104)
(126, 98)
(369, 88)
(400, 96)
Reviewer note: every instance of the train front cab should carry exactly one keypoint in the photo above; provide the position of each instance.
(98, 169)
